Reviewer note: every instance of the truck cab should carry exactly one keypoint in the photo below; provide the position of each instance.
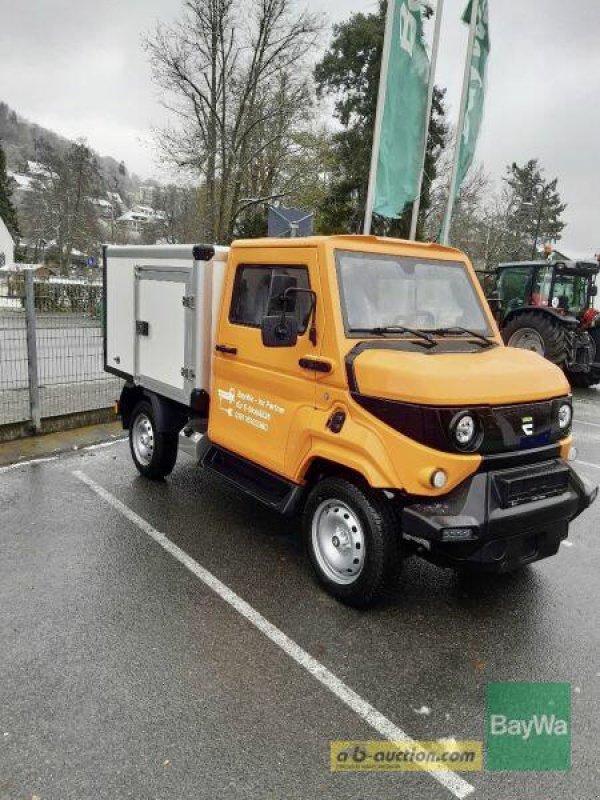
(361, 383)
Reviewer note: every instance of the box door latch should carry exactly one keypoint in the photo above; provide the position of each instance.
(142, 328)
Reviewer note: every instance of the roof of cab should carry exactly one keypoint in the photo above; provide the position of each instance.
(588, 267)
(315, 241)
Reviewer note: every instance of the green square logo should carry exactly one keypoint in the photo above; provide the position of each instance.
(528, 727)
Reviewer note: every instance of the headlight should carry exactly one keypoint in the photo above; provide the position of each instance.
(565, 416)
(464, 431)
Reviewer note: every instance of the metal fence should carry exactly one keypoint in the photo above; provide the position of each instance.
(51, 349)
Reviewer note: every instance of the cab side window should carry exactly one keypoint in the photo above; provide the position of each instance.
(254, 295)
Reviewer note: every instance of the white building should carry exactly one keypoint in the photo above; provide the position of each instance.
(7, 246)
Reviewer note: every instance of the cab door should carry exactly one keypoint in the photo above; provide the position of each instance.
(258, 390)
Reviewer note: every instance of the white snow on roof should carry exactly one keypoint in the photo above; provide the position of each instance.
(23, 181)
(35, 168)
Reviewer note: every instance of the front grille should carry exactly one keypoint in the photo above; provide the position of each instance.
(533, 483)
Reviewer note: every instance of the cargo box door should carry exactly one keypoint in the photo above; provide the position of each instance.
(163, 331)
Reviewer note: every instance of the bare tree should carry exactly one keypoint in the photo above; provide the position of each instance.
(234, 73)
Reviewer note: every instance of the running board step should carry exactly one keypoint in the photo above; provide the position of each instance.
(270, 489)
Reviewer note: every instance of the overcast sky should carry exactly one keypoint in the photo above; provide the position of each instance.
(76, 66)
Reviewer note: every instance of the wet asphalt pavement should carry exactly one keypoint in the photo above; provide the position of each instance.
(122, 675)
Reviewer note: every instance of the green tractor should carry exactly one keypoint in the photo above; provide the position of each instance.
(548, 307)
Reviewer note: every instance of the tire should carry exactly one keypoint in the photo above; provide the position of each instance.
(583, 380)
(351, 535)
(154, 454)
(530, 328)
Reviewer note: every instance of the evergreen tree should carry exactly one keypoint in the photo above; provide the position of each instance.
(7, 209)
(537, 209)
(349, 72)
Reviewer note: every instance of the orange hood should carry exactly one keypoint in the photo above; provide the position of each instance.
(497, 376)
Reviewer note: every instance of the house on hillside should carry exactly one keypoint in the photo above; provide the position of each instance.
(7, 246)
(134, 221)
(22, 185)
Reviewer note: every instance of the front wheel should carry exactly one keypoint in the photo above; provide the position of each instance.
(154, 454)
(352, 541)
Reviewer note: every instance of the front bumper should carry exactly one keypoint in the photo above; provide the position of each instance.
(498, 521)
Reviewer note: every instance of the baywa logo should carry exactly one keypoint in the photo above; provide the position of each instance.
(528, 726)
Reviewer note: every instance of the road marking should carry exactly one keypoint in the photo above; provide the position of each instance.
(28, 463)
(584, 422)
(43, 459)
(449, 780)
(587, 464)
(104, 444)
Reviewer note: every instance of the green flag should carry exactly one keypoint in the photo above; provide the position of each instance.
(477, 86)
(403, 125)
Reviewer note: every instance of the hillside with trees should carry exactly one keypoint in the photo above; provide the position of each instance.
(25, 141)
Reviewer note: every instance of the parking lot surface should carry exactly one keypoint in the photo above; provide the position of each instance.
(130, 669)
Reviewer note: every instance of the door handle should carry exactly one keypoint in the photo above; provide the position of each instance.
(316, 364)
(225, 348)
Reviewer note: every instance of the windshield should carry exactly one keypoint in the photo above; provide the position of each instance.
(383, 291)
(570, 292)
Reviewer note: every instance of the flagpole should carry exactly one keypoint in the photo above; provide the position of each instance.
(445, 238)
(434, 54)
(383, 75)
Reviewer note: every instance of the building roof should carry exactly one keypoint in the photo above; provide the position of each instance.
(23, 181)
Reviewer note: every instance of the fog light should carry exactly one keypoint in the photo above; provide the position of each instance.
(457, 534)
(572, 454)
(439, 479)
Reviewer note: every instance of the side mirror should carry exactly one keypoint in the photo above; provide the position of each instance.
(279, 331)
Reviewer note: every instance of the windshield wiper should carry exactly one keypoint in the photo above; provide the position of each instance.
(457, 329)
(424, 339)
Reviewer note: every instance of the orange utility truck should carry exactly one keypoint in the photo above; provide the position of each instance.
(358, 381)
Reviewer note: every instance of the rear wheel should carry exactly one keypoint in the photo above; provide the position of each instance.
(154, 454)
(539, 333)
(352, 541)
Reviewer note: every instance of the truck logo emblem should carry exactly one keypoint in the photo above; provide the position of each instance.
(527, 426)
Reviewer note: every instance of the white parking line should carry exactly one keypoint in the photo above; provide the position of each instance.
(449, 780)
(587, 464)
(585, 422)
(28, 463)
(45, 459)
(101, 445)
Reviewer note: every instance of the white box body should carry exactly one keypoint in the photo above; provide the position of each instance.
(161, 315)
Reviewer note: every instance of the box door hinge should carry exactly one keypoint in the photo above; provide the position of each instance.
(188, 301)
(188, 373)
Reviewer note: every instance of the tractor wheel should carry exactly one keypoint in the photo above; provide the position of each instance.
(583, 380)
(538, 332)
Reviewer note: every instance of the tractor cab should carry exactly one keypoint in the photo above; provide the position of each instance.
(548, 307)
(566, 287)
